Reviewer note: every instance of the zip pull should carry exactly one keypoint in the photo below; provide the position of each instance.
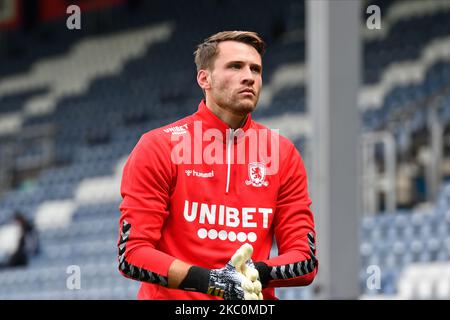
(229, 146)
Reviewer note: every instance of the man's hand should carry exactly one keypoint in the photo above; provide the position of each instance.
(228, 283)
(237, 280)
(241, 260)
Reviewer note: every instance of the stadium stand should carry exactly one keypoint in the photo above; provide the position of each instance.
(73, 105)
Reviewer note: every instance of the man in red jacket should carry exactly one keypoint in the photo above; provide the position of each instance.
(195, 190)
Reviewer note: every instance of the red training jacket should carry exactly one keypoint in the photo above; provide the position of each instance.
(196, 190)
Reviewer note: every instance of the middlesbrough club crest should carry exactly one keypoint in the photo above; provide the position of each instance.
(257, 175)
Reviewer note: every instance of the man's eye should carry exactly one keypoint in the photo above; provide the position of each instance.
(256, 70)
(235, 66)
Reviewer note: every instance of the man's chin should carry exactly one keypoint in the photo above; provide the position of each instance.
(246, 107)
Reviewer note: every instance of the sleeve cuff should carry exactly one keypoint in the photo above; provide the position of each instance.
(264, 273)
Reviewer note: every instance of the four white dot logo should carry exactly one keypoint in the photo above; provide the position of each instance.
(224, 235)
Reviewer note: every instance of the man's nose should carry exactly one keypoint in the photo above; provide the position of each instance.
(248, 76)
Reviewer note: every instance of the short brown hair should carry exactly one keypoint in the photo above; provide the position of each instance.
(207, 50)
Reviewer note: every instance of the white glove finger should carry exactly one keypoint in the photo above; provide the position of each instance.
(247, 285)
(247, 295)
(255, 296)
(251, 273)
(257, 287)
(260, 296)
(250, 296)
(247, 250)
(237, 260)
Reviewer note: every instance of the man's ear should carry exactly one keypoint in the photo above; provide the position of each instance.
(204, 79)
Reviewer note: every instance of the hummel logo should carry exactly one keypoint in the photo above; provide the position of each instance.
(199, 174)
(177, 129)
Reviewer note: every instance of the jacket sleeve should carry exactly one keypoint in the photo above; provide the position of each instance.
(145, 190)
(296, 264)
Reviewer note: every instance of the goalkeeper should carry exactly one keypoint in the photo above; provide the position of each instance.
(198, 189)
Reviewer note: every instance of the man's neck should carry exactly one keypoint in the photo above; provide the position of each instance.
(233, 120)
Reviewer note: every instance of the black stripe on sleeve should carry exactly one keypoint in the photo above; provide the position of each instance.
(130, 270)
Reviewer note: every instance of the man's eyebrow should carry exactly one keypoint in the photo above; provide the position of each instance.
(235, 61)
(256, 65)
(242, 62)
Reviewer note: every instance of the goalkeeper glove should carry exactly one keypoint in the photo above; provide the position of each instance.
(225, 282)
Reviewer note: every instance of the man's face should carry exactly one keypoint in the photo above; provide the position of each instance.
(236, 78)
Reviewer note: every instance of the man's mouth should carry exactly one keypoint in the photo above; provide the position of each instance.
(248, 91)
